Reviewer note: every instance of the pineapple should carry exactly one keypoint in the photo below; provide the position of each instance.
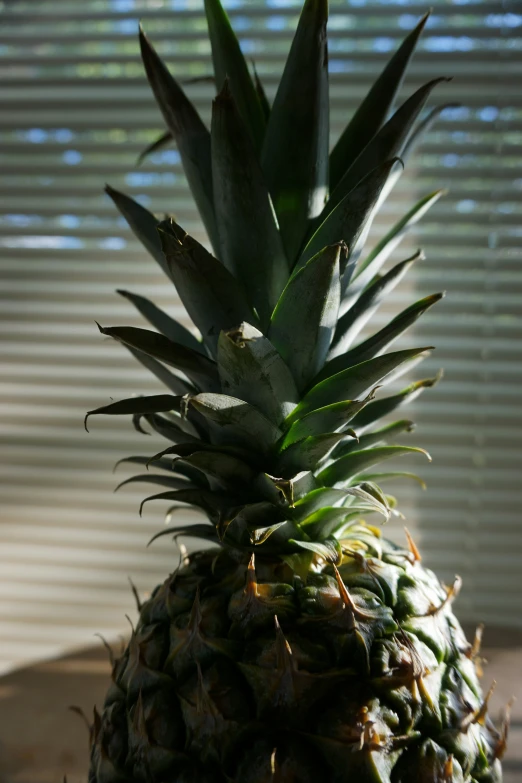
(298, 645)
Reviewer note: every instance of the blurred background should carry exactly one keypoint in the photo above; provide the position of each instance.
(76, 113)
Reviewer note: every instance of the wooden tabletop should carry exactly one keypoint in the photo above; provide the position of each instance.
(41, 740)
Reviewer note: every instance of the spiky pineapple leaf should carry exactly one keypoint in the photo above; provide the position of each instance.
(314, 291)
(191, 136)
(329, 550)
(198, 368)
(382, 435)
(163, 322)
(261, 95)
(376, 410)
(142, 223)
(161, 143)
(202, 531)
(383, 249)
(175, 431)
(176, 384)
(229, 63)
(162, 464)
(353, 320)
(213, 298)
(295, 151)
(350, 217)
(353, 382)
(331, 418)
(225, 468)
(306, 453)
(211, 502)
(388, 143)
(383, 338)
(345, 468)
(374, 109)
(152, 404)
(251, 245)
(250, 368)
(391, 475)
(236, 422)
(172, 482)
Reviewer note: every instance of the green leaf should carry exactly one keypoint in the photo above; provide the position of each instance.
(331, 418)
(229, 63)
(319, 498)
(295, 152)
(161, 143)
(376, 410)
(251, 245)
(173, 382)
(156, 478)
(383, 338)
(324, 522)
(205, 532)
(380, 477)
(350, 324)
(250, 368)
(304, 319)
(351, 216)
(191, 136)
(153, 404)
(352, 382)
(345, 468)
(373, 111)
(201, 370)
(235, 422)
(142, 223)
(175, 431)
(225, 468)
(381, 252)
(386, 144)
(381, 435)
(163, 464)
(163, 322)
(261, 95)
(214, 299)
(213, 503)
(306, 453)
(329, 550)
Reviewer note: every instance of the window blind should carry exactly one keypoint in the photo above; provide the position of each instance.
(76, 113)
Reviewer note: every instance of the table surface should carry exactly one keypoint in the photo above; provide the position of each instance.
(41, 740)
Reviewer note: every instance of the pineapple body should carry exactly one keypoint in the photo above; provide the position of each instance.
(242, 671)
(299, 645)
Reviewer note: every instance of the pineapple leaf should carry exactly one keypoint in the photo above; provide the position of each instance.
(331, 418)
(190, 134)
(386, 144)
(223, 467)
(250, 368)
(212, 296)
(162, 322)
(251, 245)
(153, 404)
(142, 223)
(213, 503)
(329, 550)
(201, 370)
(345, 468)
(353, 381)
(381, 339)
(373, 111)
(381, 252)
(382, 435)
(173, 382)
(380, 477)
(234, 421)
(156, 478)
(295, 151)
(376, 410)
(261, 94)
(230, 64)
(205, 532)
(314, 291)
(169, 429)
(350, 217)
(353, 320)
(165, 464)
(306, 453)
(161, 143)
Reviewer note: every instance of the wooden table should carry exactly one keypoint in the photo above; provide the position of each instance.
(41, 739)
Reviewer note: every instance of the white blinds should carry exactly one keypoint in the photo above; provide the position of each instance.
(76, 111)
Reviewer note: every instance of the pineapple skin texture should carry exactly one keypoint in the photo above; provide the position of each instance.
(212, 688)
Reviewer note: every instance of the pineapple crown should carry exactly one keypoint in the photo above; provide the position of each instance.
(272, 414)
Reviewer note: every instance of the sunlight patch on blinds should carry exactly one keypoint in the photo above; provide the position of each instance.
(76, 113)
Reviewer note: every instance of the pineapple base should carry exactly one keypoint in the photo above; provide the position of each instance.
(244, 672)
